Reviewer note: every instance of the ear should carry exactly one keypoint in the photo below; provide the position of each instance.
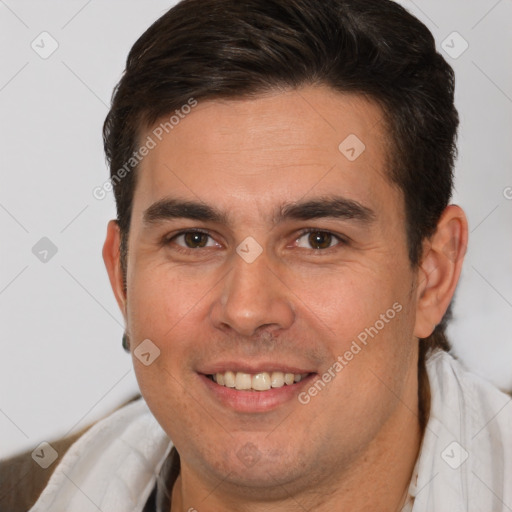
(440, 268)
(112, 259)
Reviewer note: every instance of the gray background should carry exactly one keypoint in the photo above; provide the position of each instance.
(61, 363)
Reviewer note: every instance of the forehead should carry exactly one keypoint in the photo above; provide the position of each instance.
(269, 149)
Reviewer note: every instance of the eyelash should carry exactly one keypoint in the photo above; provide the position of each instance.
(186, 250)
(341, 240)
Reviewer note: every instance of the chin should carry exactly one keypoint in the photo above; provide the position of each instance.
(243, 465)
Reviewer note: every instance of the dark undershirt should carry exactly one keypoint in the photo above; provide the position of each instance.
(160, 498)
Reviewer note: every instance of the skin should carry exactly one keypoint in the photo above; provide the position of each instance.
(356, 442)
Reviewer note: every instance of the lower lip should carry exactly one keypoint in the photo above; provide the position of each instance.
(255, 401)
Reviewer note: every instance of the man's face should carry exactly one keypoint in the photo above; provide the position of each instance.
(291, 258)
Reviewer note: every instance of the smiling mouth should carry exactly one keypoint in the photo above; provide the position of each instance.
(262, 381)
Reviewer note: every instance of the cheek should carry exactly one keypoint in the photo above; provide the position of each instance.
(346, 300)
(161, 299)
(366, 318)
(372, 361)
(161, 308)
(169, 305)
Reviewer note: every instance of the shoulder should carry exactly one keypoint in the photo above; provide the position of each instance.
(450, 378)
(22, 480)
(466, 453)
(464, 399)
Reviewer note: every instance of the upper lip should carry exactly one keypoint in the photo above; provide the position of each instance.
(244, 367)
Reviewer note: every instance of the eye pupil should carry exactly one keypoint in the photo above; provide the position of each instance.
(320, 239)
(194, 239)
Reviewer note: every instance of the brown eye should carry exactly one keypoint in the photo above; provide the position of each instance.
(320, 239)
(193, 240)
(317, 240)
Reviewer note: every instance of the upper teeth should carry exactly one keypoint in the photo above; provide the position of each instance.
(259, 381)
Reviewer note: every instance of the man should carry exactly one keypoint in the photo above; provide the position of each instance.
(284, 257)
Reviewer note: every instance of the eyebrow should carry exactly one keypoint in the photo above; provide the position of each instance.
(167, 209)
(335, 207)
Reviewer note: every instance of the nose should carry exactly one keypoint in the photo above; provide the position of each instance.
(252, 299)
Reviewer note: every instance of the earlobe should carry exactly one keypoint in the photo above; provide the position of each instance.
(439, 272)
(112, 258)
